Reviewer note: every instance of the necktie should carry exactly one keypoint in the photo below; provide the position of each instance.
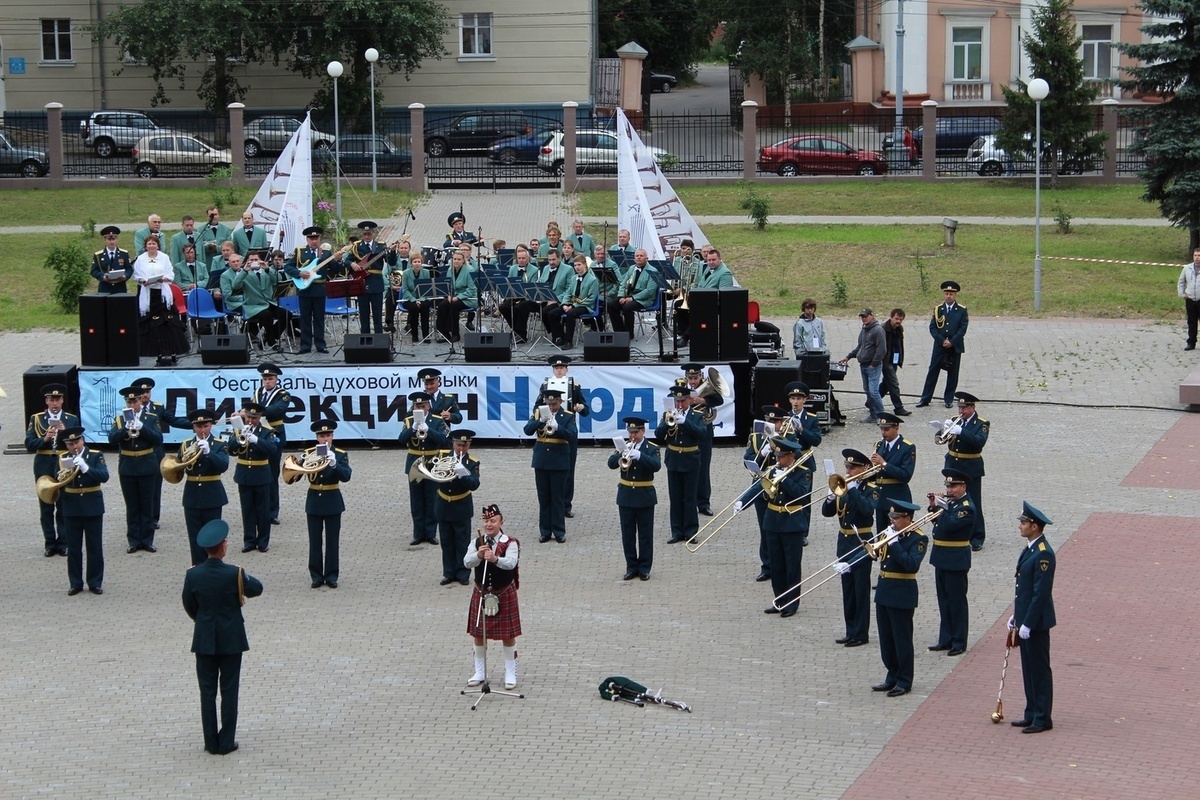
(578, 286)
(248, 232)
(580, 238)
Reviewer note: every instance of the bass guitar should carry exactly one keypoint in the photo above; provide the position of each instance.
(315, 271)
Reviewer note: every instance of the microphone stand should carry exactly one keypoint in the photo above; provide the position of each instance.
(485, 688)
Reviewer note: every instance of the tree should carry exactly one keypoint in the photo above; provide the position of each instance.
(173, 36)
(672, 31)
(1169, 135)
(1068, 116)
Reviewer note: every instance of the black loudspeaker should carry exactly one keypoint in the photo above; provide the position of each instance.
(367, 348)
(221, 349)
(734, 317)
(704, 330)
(122, 327)
(609, 347)
(771, 378)
(38, 376)
(93, 330)
(814, 370)
(489, 348)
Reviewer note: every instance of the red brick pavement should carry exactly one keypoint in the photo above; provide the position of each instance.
(1125, 689)
(1174, 461)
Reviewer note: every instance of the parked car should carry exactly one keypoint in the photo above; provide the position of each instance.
(987, 158)
(662, 82)
(595, 151)
(954, 134)
(269, 135)
(476, 131)
(819, 155)
(110, 132)
(523, 149)
(24, 161)
(177, 152)
(355, 154)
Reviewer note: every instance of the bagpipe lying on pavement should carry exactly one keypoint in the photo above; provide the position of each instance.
(623, 690)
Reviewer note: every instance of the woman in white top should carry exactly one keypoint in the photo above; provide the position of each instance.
(160, 330)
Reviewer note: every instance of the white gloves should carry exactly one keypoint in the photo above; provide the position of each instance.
(330, 461)
(252, 438)
(635, 455)
(1024, 633)
(1012, 623)
(135, 425)
(461, 471)
(852, 485)
(841, 567)
(766, 448)
(80, 462)
(551, 427)
(955, 430)
(204, 446)
(891, 534)
(738, 506)
(422, 429)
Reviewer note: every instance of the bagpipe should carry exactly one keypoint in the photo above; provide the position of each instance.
(623, 690)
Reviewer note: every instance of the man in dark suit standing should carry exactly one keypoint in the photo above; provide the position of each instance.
(213, 594)
(111, 259)
(1032, 619)
(636, 498)
(948, 327)
(83, 513)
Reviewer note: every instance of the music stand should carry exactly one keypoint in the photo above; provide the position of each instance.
(505, 255)
(485, 688)
(507, 288)
(539, 293)
(665, 275)
(620, 256)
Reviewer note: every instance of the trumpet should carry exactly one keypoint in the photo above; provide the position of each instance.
(626, 460)
(173, 468)
(944, 436)
(235, 430)
(874, 547)
(838, 484)
(419, 423)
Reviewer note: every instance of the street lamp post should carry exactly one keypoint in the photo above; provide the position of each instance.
(335, 71)
(372, 55)
(1038, 90)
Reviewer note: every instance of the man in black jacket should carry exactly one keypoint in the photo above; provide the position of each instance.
(893, 333)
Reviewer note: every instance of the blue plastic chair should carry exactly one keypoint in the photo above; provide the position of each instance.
(200, 305)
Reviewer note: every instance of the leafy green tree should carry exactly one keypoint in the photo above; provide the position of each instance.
(1068, 116)
(1169, 133)
(672, 31)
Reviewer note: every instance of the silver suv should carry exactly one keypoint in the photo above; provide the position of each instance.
(109, 132)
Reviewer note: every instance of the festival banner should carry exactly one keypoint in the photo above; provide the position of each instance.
(370, 403)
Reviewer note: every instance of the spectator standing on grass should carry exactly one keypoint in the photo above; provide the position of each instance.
(870, 352)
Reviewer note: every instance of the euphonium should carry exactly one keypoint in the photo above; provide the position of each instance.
(172, 467)
(47, 487)
(714, 384)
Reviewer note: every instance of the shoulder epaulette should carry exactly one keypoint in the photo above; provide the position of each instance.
(1042, 547)
(99, 252)
(472, 459)
(905, 441)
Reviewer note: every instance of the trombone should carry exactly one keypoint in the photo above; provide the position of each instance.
(874, 547)
(768, 484)
(837, 487)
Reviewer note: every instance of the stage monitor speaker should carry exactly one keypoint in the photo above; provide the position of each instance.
(771, 378)
(489, 348)
(367, 348)
(38, 376)
(225, 349)
(93, 330)
(122, 326)
(734, 317)
(704, 325)
(606, 347)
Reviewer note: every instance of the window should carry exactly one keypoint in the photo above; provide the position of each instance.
(189, 145)
(968, 54)
(1097, 52)
(476, 32)
(56, 40)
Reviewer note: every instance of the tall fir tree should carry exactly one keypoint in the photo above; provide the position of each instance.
(1068, 114)
(1169, 133)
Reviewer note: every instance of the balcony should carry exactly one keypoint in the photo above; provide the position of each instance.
(967, 91)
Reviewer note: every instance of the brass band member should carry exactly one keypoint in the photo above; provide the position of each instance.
(900, 456)
(369, 258)
(1032, 619)
(577, 299)
(500, 553)
(807, 431)
(83, 512)
(951, 561)
(324, 505)
(785, 531)
(635, 291)
(759, 451)
(967, 436)
(203, 490)
(516, 310)
(896, 598)
(681, 430)
(43, 438)
(301, 264)
(276, 402)
(575, 403)
(424, 439)
(556, 430)
(455, 508)
(136, 433)
(166, 421)
(636, 498)
(393, 278)
(855, 510)
(693, 377)
(253, 447)
(457, 234)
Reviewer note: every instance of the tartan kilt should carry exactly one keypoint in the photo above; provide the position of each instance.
(506, 624)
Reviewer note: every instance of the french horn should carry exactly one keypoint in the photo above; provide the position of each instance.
(293, 469)
(48, 488)
(436, 469)
(173, 467)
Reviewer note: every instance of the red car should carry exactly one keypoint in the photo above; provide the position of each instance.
(819, 155)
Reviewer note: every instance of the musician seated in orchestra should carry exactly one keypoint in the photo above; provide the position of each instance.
(713, 275)
(471, 262)
(232, 298)
(283, 284)
(256, 281)
(190, 272)
(457, 234)
(249, 236)
(583, 241)
(153, 229)
(216, 269)
(637, 291)
(552, 242)
(516, 310)
(414, 302)
(557, 277)
(160, 330)
(393, 279)
(577, 299)
(462, 297)
(610, 277)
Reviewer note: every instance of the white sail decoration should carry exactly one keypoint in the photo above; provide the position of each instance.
(646, 202)
(283, 204)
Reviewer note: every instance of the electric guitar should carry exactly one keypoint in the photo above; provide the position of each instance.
(315, 271)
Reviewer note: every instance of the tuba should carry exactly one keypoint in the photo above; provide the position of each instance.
(48, 488)
(172, 467)
(293, 469)
(713, 385)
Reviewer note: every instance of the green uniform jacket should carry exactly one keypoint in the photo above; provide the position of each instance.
(253, 460)
(82, 496)
(141, 235)
(185, 274)
(205, 236)
(719, 278)
(455, 502)
(642, 286)
(462, 285)
(257, 289)
(631, 492)
(210, 598)
(257, 240)
(589, 290)
(202, 487)
(553, 451)
(232, 297)
(177, 244)
(952, 535)
(904, 557)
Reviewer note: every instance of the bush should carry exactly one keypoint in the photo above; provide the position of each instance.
(225, 195)
(758, 208)
(70, 263)
(841, 290)
(1062, 219)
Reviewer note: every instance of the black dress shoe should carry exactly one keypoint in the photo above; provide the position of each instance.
(1190, 347)
(922, 404)
(937, 648)
(446, 581)
(264, 548)
(155, 524)
(62, 551)
(464, 581)
(569, 514)
(133, 548)
(903, 412)
(331, 584)
(976, 548)
(50, 551)
(433, 540)
(1037, 728)
(644, 576)
(318, 584)
(897, 692)
(247, 548)
(630, 574)
(676, 539)
(1020, 723)
(706, 511)
(322, 350)
(883, 687)
(842, 640)
(791, 612)
(560, 539)
(96, 590)
(857, 642)
(763, 575)
(543, 539)
(771, 610)
(232, 747)
(276, 521)
(415, 543)
(306, 350)
(149, 548)
(74, 590)
(949, 405)
(958, 651)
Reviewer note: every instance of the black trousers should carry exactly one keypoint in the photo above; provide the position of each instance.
(219, 671)
(195, 519)
(447, 318)
(935, 367)
(156, 498)
(975, 490)
(894, 626)
(516, 312)
(551, 494)
(787, 553)
(951, 585)
(856, 599)
(1193, 318)
(637, 537)
(138, 491)
(889, 385)
(422, 505)
(764, 552)
(256, 515)
(323, 566)
(417, 312)
(569, 492)
(370, 310)
(704, 479)
(622, 316)
(1039, 680)
(89, 531)
(456, 538)
(681, 488)
(312, 322)
(52, 525)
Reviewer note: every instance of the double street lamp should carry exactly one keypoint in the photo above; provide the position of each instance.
(1038, 91)
(335, 71)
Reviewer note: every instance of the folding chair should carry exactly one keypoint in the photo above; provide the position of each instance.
(200, 305)
(640, 316)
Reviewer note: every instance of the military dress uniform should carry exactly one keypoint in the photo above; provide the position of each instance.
(704, 476)
(252, 474)
(203, 490)
(855, 511)
(213, 593)
(572, 398)
(891, 483)
(895, 601)
(805, 429)
(440, 401)
(166, 421)
(1033, 613)
(46, 462)
(636, 499)
(105, 261)
(275, 402)
(682, 459)
(324, 506)
(83, 520)
(312, 298)
(551, 468)
(965, 453)
(951, 561)
(377, 256)
(139, 474)
(948, 324)
(422, 495)
(785, 531)
(455, 510)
